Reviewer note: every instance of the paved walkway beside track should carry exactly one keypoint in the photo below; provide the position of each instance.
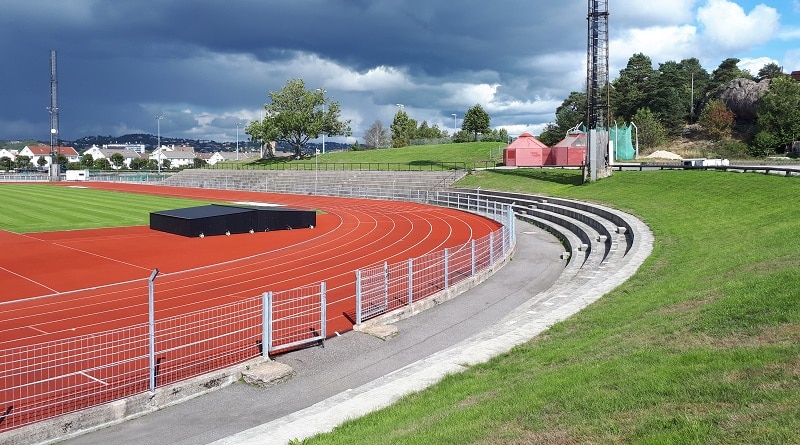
(355, 373)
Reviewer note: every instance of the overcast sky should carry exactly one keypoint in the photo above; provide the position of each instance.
(207, 64)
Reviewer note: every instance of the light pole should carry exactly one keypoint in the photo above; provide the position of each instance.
(237, 140)
(454, 124)
(158, 160)
(322, 90)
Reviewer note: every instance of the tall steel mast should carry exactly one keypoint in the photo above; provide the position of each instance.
(53, 109)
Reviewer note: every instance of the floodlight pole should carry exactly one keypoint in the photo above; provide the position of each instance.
(322, 90)
(237, 140)
(158, 160)
(454, 124)
(152, 328)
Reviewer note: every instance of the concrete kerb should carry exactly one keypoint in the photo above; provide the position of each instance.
(102, 416)
(375, 326)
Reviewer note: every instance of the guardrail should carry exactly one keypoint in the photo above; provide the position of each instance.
(343, 166)
(787, 170)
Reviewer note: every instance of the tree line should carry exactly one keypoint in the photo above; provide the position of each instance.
(664, 102)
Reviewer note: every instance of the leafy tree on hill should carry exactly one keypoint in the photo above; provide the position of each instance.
(87, 161)
(476, 120)
(570, 113)
(402, 129)
(6, 163)
(295, 115)
(778, 116)
(770, 71)
(650, 131)
(41, 162)
(632, 88)
(717, 120)
(727, 70)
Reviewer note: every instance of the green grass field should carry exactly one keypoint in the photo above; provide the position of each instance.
(41, 208)
(701, 346)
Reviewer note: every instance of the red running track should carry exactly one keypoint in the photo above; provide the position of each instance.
(58, 285)
(201, 273)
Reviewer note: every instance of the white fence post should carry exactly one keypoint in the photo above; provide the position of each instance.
(472, 256)
(324, 309)
(266, 323)
(358, 296)
(446, 268)
(151, 322)
(410, 281)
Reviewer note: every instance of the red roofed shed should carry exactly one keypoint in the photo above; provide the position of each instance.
(526, 151)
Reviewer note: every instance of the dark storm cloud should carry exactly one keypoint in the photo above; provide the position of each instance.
(122, 62)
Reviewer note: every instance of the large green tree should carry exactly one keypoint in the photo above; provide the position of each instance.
(476, 120)
(727, 70)
(571, 113)
(402, 129)
(296, 115)
(770, 71)
(649, 131)
(631, 90)
(778, 116)
(117, 160)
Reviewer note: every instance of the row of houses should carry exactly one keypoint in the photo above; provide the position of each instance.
(178, 156)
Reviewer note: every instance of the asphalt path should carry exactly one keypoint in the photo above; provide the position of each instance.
(326, 374)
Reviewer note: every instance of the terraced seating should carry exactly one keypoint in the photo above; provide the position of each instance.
(376, 184)
(600, 243)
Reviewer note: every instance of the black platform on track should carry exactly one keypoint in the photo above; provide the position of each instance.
(216, 219)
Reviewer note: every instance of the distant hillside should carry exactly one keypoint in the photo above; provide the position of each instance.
(151, 141)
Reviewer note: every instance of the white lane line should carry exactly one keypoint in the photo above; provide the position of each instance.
(93, 378)
(28, 279)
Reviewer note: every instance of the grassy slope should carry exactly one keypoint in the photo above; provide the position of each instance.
(41, 208)
(701, 346)
(422, 156)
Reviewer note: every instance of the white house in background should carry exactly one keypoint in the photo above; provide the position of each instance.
(106, 153)
(222, 156)
(176, 158)
(178, 155)
(35, 152)
(10, 154)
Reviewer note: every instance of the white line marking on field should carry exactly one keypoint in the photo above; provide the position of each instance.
(529, 233)
(254, 203)
(101, 256)
(26, 278)
(37, 329)
(93, 378)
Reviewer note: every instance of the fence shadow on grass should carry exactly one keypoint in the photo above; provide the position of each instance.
(558, 176)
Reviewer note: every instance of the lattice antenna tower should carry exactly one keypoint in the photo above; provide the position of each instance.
(597, 65)
(53, 108)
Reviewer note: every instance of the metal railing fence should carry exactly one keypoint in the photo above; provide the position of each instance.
(383, 288)
(48, 379)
